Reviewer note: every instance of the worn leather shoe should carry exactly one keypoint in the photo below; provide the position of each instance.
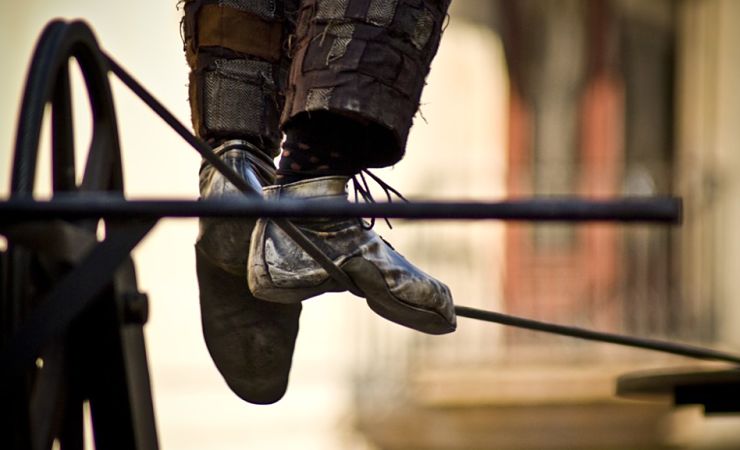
(225, 242)
(250, 341)
(281, 272)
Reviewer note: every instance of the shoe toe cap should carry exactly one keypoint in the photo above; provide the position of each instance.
(250, 341)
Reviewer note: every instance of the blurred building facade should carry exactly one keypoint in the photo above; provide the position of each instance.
(566, 97)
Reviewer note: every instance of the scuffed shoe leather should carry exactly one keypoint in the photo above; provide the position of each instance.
(226, 241)
(250, 341)
(281, 272)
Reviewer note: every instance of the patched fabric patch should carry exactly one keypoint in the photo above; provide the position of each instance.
(318, 99)
(331, 9)
(232, 105)
(381, 12)
(240, 31)
(250, 69)
(239, 98)
(264, 8)
(423, 30)
(343, 37)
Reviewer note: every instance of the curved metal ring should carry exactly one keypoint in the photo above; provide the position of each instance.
(48, 82)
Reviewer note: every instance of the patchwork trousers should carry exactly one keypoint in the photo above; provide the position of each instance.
(256, 65)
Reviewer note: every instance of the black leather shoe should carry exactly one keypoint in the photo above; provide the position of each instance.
(250, 341)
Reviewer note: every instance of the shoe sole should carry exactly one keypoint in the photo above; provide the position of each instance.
(251, 342)
(292, 296)
(369, 279)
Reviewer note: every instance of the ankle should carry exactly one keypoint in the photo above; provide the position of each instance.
(320, 145)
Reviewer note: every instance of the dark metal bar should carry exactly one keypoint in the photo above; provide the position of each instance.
(120, 405)
(611, 338)
(63, 153)
(656, 210)
(48, 394)
(133, 307)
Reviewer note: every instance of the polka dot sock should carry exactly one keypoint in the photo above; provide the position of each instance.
(321, 145)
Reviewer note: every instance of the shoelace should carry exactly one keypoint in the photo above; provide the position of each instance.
(362, 190)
